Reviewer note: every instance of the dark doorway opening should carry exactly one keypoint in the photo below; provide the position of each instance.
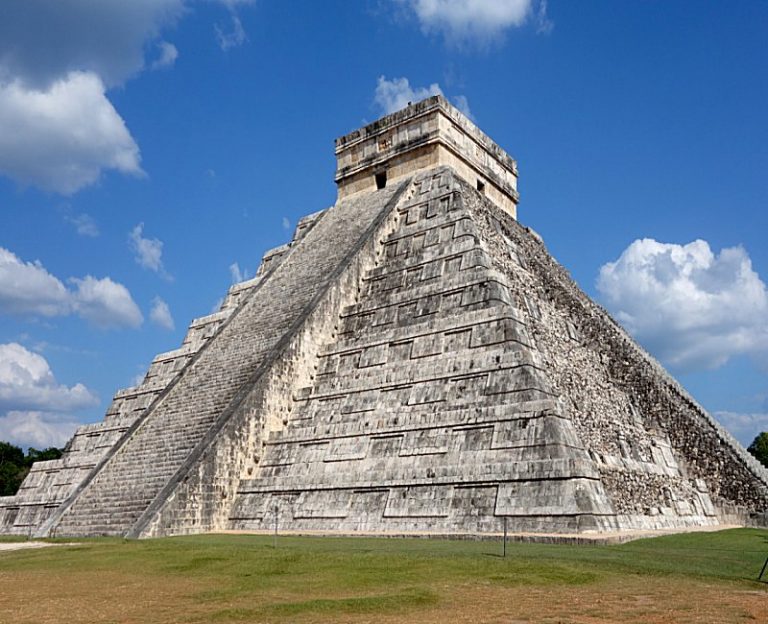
(381, 179)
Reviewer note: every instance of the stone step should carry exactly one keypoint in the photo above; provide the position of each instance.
(426, 327)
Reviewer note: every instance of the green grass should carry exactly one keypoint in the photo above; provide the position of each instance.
(12, 538)
(244, 578)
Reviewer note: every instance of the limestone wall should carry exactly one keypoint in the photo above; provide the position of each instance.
(423, 135)
(430, 411)
(659, 453)
(200, 496)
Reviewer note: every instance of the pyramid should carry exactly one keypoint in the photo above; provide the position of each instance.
(412, 362)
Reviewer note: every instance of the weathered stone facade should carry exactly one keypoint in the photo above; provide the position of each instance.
(413, 361)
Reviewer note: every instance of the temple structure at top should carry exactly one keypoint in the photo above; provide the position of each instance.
(422, 136)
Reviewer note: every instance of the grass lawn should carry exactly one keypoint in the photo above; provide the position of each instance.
(697, 577)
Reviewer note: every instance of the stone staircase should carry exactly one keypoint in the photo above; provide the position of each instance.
(132, 478)
(431, 409)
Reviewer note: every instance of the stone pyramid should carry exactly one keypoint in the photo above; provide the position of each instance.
(412, 362)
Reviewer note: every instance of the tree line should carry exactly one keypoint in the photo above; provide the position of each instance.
(15, 464)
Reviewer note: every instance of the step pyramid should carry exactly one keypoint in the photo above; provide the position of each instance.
(412, 362)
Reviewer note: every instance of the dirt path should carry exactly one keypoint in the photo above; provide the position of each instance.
(9, 546)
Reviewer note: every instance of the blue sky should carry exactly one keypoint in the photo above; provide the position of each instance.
(151, 151)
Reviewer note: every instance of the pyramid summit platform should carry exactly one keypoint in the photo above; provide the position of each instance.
(412, 362)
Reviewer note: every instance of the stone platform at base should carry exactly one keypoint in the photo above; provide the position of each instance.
(11, 546)
(589, 539)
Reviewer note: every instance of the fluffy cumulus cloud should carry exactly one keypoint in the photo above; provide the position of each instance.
(148, 252)
(393, 95)
(27, 383)
(41, 41)
(160, 314)
(28, 289)
(35, 409)
(104, 303)
(57, 60)
(62, 136)
(690, 307)
(37, 429)
(476, 22)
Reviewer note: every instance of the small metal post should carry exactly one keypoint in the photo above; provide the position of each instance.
(275, 537)
(505, 536)
(765, 565)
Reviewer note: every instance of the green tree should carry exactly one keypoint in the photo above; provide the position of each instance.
(15, 465)
(12, 468)
(759, 448)
(33, 455)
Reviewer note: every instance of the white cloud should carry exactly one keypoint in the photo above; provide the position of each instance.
(148, 252)
(690, 307)
(286, 223)
(37, 429)
(105, 304)
(57, 59)
(231, 36)
(160, 314)
(238, 274)
(461, 102)
(744, 427)
(27, 383)
(477, 22)
(62, 138)
(393, 95)
(167, 57)
(544, 25)
(27, 288)
(42, 41)
(84, 224)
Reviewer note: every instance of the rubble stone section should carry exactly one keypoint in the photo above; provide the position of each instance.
(662, 459)
(431, 410)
